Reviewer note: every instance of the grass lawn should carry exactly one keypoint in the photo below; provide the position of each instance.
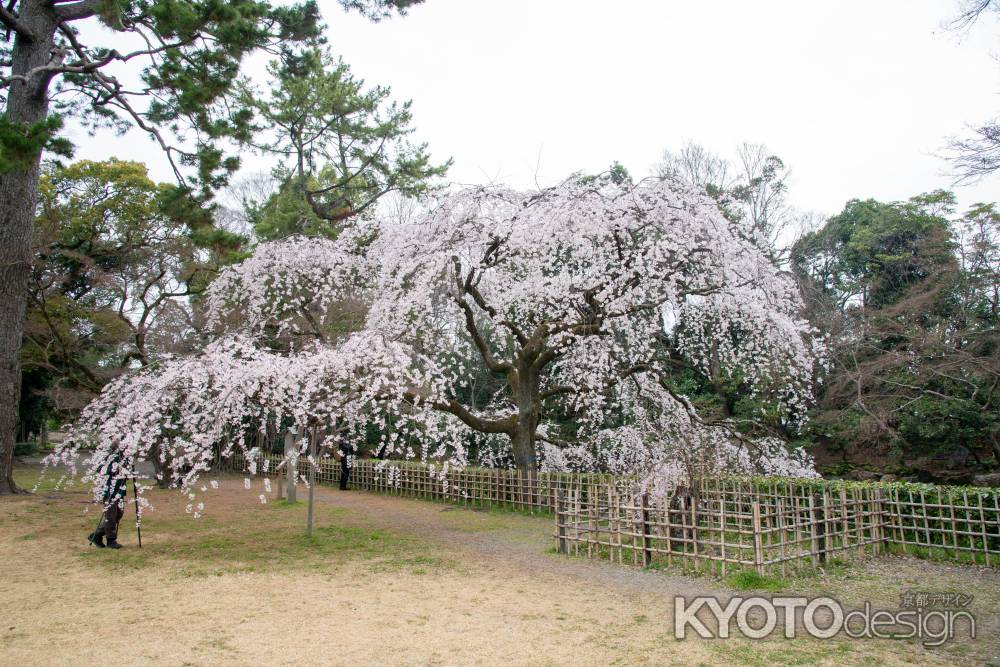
(385, 580)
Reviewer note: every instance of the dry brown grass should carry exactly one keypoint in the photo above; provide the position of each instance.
(385, 580)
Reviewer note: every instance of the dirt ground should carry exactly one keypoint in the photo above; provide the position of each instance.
(388, 580)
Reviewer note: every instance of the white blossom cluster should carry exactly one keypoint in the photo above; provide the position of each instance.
(484, 320)
(269, 289)
(668, 445)
(188, 411)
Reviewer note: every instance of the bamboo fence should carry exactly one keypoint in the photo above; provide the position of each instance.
(777, 525)
(491, 487)
(763, 524)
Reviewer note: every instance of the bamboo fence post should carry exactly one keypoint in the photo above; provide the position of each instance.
(954, 528)
(896, 516)
(722, 526)
(819, 527)
(682, 515)
(669, 528)
(647, 556)
(859, 519)
(758, 551)
(590, 526)
(560, 525)
(520, 490)
(927, 529)
(797, 517)
(982, 528)
(912, 521)
(879, 537)
(996, 518)
(694, 531)
(634, 529)
(576, 524)
(843, 519)
(781, 531)
(614, 530)
(829, 520)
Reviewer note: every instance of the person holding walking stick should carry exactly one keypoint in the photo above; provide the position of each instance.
(115, 489)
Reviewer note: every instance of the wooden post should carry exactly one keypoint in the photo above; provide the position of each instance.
(291, 464)
(685, 543)
(590, 524)
(647, 555)
(898, 519)
(843, 519)
(722, 525)
(312, 481)
(614, 526)
(560, 526)
(280, 484)
(817, 507)
(859, 520)
(877, 521)
(520, 490)
(781, 531)
(575, 496)
(694, 527)
(758, 551)
(982, 528)
(954, 525)
(797, 522)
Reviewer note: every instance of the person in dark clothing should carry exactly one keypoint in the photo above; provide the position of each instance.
(346, 463)
(115, 490)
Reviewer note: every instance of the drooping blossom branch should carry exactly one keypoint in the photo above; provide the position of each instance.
(540, 327)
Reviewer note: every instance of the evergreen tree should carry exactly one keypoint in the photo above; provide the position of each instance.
(342, 146)
(190, 58)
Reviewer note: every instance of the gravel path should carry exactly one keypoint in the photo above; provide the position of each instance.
(509, 540)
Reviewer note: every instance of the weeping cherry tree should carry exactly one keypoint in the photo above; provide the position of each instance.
(574, 303)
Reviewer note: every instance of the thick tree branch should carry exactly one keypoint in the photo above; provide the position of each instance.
(13, 22)
(472, 420)
(477, 338)
(75, 11)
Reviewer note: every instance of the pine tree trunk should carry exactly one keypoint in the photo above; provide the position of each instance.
(18, 192)
(27, 104)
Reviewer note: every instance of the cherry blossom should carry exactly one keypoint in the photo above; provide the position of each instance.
(539, 327)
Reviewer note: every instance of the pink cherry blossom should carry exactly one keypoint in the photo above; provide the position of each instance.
(488, 321)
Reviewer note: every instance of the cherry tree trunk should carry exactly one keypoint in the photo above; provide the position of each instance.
(527, 397)
(27, 104)
(523, 446)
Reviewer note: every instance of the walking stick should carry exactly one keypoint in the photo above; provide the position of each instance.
(100, 519)
(138, 528)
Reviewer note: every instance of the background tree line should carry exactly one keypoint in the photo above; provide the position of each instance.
(107, 265)
(103, 288)
(906, 294)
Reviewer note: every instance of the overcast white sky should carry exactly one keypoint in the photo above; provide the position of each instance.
(856, 96)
